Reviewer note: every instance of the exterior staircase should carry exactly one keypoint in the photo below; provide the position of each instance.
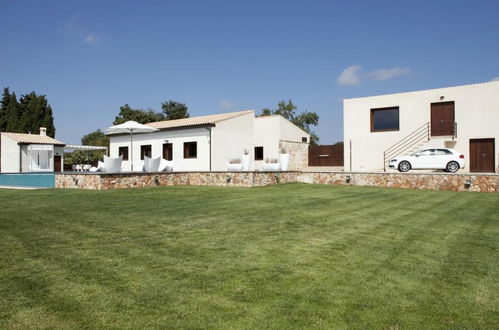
(412, 142)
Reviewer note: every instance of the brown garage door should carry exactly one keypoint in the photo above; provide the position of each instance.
(482, 155)
(442, 119)
(325, 155)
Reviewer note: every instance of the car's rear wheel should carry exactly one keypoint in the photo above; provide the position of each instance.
(452, 167)
(404, 166)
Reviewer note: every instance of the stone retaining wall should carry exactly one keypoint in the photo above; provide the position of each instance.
(437, 181)
(134, 180)
(452, 182)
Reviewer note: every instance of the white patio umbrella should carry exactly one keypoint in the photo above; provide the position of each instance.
(130, 127)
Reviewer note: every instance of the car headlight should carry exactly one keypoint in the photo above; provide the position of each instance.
(393, 161)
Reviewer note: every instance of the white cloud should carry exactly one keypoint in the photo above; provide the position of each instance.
(384, 74)
(91, 38)
(495, 79)
(224, 104)
(350, 76)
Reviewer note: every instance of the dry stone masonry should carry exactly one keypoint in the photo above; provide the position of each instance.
(438, 181)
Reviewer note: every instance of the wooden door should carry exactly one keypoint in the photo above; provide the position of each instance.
(482, 155)
(168, 151)
(325, 155)
(57, 163)
(442, 118)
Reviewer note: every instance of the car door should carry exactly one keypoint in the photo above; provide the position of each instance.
(423, 159)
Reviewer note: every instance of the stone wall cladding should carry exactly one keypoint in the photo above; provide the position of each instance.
(452, 182)
(298, 154)
(136, 180)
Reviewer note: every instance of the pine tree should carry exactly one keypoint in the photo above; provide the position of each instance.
(174, 110)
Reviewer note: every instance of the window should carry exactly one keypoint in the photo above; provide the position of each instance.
(385, 119)
(425, 152)
(168, 151)
(123, 152)
(443, 152)
(258, 153)
(304, 139)
(190, 149)
(145, 151)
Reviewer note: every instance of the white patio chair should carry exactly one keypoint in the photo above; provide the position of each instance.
(165, 165)
(151, 164)
(112, 165)
(87, 167)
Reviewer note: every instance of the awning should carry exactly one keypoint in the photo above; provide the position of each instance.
(40, 147)
(70, 148)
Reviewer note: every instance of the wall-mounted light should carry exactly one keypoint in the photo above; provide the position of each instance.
(228, 178)
(348, 179)
(467, 184)
(442, 97)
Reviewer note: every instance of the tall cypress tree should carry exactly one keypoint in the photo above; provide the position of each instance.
(3, 109)
(13, 115)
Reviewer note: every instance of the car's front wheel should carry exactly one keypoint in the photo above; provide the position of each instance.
(404, 166)
(452, 167)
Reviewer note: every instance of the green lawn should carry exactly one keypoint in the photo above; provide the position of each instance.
(286, 256)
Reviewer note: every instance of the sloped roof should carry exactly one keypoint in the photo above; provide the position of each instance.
(33, 138)
(197, 121)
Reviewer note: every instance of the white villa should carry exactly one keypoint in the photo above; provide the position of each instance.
(465, 118)
(208, 143)
(30, 153)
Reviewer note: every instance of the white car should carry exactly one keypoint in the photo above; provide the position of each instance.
(446, 159)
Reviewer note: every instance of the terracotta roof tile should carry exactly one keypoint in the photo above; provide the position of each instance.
(32, 138)
(197, 121)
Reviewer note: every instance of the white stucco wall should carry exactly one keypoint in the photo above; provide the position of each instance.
(230, 138)
(9, 155)
(476, 114)
(156, 139)
(267, 133)
(290, 132)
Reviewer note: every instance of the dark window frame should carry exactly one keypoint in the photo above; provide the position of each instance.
(170, 158)
(259, 155)
(143, 151)
(188, 153)
(388, 129)
(124, 154)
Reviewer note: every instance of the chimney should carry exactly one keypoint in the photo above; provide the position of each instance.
(43, 131)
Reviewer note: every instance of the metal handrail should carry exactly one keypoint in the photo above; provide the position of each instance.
(425, 127)
(418, 135)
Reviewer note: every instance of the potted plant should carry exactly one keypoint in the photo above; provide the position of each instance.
(284, 159)
(235, 165)
(246, 160)
(271, 164)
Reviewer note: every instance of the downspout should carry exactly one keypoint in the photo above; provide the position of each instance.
(20, 158)
(209, 129)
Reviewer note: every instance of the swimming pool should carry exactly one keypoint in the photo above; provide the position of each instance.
(46, 180)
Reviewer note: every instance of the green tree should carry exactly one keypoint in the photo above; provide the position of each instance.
(95, 138)
(35, 112)
(138, 115)
(3, 109)
(174, 110)
(305, 120)
(13, 115)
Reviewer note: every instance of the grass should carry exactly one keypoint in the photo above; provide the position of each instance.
(286, 256)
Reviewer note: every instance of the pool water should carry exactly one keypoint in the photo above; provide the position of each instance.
(46, 180)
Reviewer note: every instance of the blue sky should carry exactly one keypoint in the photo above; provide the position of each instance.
(91, 57)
